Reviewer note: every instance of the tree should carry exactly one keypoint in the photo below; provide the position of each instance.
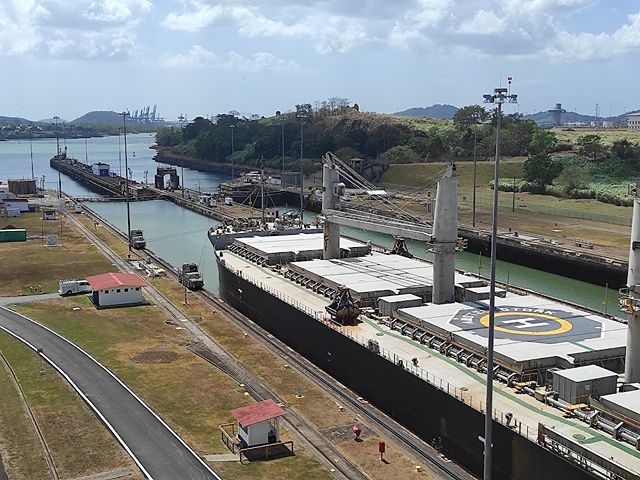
(624, 149)
(591, 146)
(572, 178)
(400, 154)
(543, 141)
(468, 116)
(540, 169)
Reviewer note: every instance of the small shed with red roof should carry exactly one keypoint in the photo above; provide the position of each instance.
(116, 289)
(258, 424)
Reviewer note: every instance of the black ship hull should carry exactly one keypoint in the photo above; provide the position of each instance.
(429, 412)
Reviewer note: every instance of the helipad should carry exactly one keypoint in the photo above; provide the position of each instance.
(531, 332)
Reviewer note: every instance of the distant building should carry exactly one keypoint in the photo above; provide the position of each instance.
(633, 121)
(48, 213)
(116, 289)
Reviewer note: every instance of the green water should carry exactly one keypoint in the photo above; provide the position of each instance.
(179, 235)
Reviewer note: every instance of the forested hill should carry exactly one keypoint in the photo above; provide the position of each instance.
(347, 132)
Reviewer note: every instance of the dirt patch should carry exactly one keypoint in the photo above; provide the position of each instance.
(155, 356)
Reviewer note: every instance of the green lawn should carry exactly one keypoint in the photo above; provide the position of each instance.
(29, 264)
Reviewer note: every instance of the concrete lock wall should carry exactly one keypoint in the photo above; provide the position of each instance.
(419, 406)
(120, 296)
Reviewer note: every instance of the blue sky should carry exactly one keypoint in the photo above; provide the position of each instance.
(201, 57)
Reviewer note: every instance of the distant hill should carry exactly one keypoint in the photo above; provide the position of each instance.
(14, 120)
(51, 120)
(444, 112)
(99, 117)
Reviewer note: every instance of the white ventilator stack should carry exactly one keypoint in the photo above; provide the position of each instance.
(445, 235)
(332, 190)
(632, 360)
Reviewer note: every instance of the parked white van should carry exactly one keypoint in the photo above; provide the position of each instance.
(69, 287)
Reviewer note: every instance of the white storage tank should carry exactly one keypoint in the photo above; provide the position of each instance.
(388, 306)
(576, 385)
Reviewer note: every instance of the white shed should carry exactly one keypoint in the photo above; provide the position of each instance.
(116, 289)
(258, 424)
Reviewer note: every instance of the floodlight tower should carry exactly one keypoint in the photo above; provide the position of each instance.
(499, 96)
(557, 114)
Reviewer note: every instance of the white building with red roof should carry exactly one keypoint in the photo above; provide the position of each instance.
(116, 289)
(258, 424)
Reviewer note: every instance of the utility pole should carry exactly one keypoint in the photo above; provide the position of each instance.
(500, 95)
(262, 190)
(86, 152)
(282, 176)
(126, 182)
(301, 116)
(31, 153)
(182, 170)
(475, 175)
(119, 153)
(233, 162)
(56, 118)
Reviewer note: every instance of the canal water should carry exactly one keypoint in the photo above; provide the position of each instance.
(179, 235)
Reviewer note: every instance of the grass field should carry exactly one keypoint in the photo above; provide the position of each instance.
(608, 135)
(29, 264)
(79, 444)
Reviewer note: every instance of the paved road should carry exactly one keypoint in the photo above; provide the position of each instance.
(156, 449)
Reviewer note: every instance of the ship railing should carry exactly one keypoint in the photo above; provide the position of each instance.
(461, 394)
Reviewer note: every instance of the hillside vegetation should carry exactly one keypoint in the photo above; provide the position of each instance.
(341, 128)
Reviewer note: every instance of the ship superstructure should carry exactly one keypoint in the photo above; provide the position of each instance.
(418, 347)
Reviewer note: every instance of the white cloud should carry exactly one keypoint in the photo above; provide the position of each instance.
(600, 46)
(330, 33)
(200, 57)
(115, 10)
(18, 31)
(483, 23)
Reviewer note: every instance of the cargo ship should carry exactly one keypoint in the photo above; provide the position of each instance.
(410, 337)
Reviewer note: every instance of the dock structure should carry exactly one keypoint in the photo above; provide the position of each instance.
(98, 178)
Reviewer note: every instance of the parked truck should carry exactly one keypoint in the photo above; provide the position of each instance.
(137, 240)
(71, 287)
(190, 277)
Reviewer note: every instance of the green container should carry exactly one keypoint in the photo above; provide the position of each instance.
(13, 235)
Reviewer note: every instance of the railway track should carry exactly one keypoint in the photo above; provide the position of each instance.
(384, 425)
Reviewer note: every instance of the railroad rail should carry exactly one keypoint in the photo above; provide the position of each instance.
(213, 353)
(386, 426)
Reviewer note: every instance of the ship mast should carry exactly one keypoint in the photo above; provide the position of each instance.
(631, 296)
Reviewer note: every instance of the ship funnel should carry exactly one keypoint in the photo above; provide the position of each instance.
(445, 235)
(332, 191)
(631, 300)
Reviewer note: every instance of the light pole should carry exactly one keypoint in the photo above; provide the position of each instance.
(301, 116)
(56, 118)
(119, 153)
(282, 176)
(31, 153)
(182, 170)
(233, 162)
(500, 95)
(475, 174)
(126, 181)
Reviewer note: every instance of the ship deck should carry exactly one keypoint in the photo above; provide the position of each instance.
(460, 381)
